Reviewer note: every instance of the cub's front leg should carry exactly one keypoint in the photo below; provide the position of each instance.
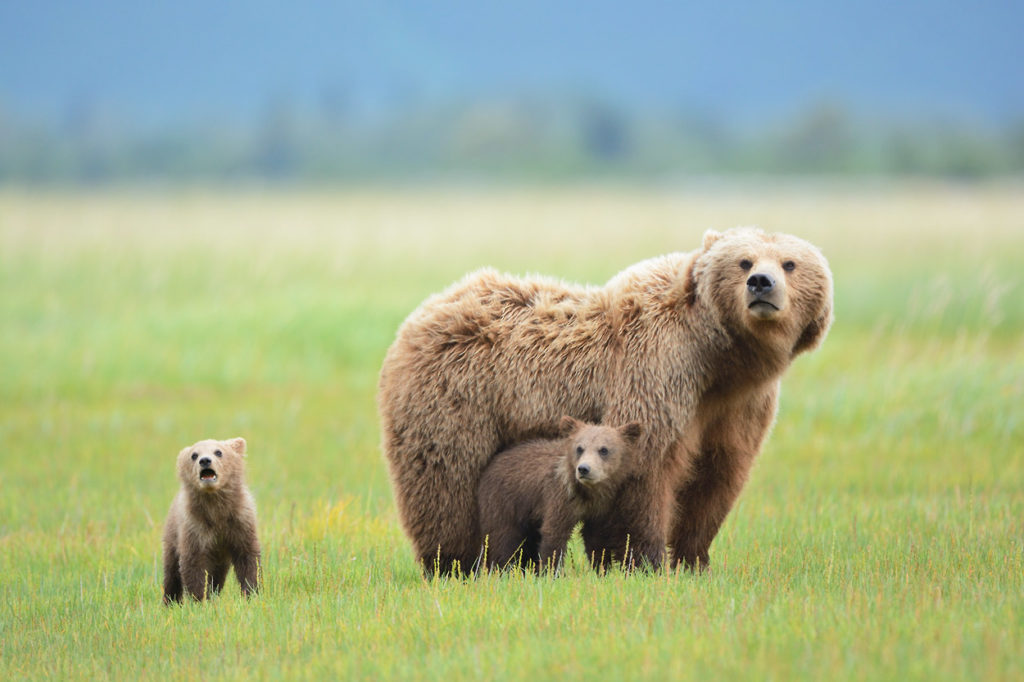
(632, 531)
(555, 531)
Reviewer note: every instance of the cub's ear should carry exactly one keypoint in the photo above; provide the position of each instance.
(238, 445)
(568, 425)
(710, 237)
(631, 432)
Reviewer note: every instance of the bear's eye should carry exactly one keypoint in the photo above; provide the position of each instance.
(603, 452)
(746, 264)
(194, 456)
(789, 266)
(218, 453)
(579, 450)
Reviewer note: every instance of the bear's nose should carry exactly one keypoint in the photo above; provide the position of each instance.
(760, 283)
(204, 462)
(583, 470)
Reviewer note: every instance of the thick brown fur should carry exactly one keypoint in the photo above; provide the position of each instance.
(212, 523)
(531, 496)
(674, 343)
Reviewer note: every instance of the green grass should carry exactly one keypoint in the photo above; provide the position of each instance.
(881, 535)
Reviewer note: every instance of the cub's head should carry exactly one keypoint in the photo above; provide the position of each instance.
(776, 287)
(212, 465)
(598, 455)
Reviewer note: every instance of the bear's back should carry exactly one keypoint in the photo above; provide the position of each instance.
(517, 479)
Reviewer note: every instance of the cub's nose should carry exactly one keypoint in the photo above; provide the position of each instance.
(583, 470)
(760, 283)
(204, 462)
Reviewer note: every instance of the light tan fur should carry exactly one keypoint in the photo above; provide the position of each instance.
(211, 524)
(672, 343)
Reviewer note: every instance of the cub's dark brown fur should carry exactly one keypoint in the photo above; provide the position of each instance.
(212, 523)
(532, 495)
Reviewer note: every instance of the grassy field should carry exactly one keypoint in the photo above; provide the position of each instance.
(880, 537)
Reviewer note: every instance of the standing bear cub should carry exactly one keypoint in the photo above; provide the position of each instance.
(531, 496)
(212, 523)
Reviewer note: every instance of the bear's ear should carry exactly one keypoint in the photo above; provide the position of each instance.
(568, 425)
(238, 445)
(689, 288)
(631, 432)
(689, 283)
(710, 237)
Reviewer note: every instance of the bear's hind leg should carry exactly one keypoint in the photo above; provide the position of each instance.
(531, 550)
(435, 469)
(505, 549)
(448, 539)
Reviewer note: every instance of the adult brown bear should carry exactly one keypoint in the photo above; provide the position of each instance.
(691, 345)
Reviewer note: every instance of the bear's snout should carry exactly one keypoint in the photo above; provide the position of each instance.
(766, 296)
(207, 474)
(583, 471)
(760, 283)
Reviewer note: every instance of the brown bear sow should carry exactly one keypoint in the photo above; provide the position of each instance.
(532, 495)
(691, 345)
(212, 523)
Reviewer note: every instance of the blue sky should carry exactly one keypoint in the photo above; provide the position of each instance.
(744, 62)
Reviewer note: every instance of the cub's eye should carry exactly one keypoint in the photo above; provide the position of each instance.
(789, 266)
(579, 449)
(194, 456)
(745, 264)
(218, 453)
(603, 452)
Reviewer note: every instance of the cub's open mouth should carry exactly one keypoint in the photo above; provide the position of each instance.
(207, 475)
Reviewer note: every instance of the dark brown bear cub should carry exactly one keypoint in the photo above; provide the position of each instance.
(531, 496)
(212, 523)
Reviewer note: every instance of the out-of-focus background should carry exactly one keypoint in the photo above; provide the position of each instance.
(189, 91)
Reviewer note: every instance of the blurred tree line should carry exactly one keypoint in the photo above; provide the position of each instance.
(540, 138)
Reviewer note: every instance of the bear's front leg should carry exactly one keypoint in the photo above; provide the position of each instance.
(554, 536)
(702, 505)
(195, 573)
(632, 531)
(247, 568)
(719, 472)
(172, 574)
(218, 574)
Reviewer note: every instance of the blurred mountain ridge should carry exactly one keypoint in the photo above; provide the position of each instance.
(113, 90)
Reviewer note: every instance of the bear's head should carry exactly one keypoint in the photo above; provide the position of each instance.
(598, 456)
(212, 465)
(774, 287)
